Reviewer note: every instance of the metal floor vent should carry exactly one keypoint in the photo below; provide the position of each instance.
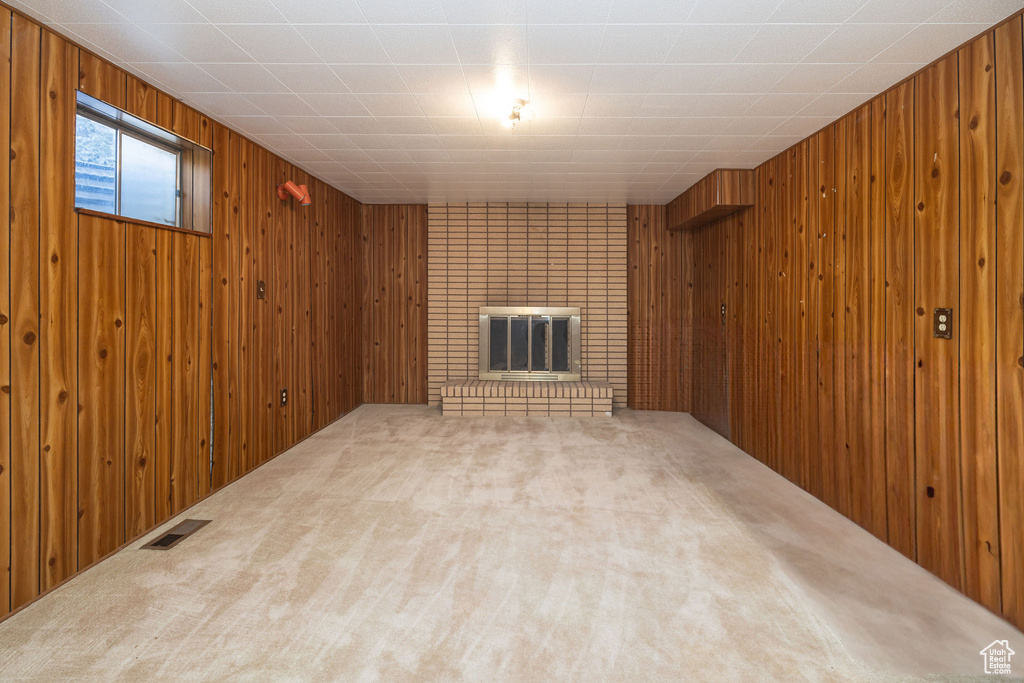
(175, 535)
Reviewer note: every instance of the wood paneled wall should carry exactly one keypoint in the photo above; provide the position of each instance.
(395, 303)
(119, 341)
(660, 311)
(910, 203)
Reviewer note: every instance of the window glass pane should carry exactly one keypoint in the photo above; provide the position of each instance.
(149, 182)
(95, 166)
(499, 344)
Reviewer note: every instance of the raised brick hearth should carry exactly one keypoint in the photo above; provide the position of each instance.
(475, 397)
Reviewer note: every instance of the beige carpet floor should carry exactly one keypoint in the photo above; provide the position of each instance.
(398, 545)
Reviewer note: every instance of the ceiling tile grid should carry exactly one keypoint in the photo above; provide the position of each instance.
(632, 100)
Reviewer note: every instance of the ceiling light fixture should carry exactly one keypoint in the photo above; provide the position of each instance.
(521, 111)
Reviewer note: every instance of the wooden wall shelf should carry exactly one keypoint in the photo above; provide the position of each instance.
(718, 194)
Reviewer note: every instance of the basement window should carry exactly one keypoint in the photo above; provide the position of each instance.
(129, 168)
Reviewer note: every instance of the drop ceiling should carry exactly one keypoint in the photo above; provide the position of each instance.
(635, 100)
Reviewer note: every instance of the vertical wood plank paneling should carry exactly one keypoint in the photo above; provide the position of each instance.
(185, 374)
(100, 79)
(842, 471)
(163, 326)
(658, 375)
(977, 326)
(24, 274)
(5, 317)
(140, 382)
(937, 238)
(57, 312)
(812, 282)
(877, 520)
(826, 237)
(1010, 313)
(101, 398)
(899, 332)
(224, 403)
(204, 369)
(165, 309)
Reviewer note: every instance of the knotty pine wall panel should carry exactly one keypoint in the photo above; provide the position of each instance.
(118, 341)
(394, 241)
(660, 310)
(911, 202)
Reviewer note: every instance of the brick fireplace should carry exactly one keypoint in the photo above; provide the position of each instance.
(500, 254)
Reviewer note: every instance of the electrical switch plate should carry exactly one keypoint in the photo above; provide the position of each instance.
(261, 289)
(284, 397)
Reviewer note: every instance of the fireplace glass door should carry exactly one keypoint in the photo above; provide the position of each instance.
(530, 343)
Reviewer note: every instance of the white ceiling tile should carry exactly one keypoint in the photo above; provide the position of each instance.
(370, 78)
(903, 12)
(163, 12)
(307, 125)
(650, 11)
(403, 100)
(611, 105)
(815, 11)
(357, 125)
(402, 12)
(271, 44)
(345, 44)
(749, 78)
(457, 103)
(854, 43)
(569, 44)
(568, 11)
(973, 11)
(308, 79)
(455, 125)
(775, 104)
(245, 78)
(69, 11)
(490, 44)
(802, 125)
(223, 104)
(391, 104)
(336, 104)
(784, 43)
(871, 79)
(241, 12)
(834, 105)
(433, 78)
(561, 106)
(417, 43)
(743, 12)
(325, 11)
(559, 78)
(637, 44)
(710, 43)
(281, 104)
(199, 42)
(126, 42)
(476, 12)
(183, 77)
(604, 126)
(622, 78)
(928, 39)
(751, 125)
(253, 125)
(812, 78)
